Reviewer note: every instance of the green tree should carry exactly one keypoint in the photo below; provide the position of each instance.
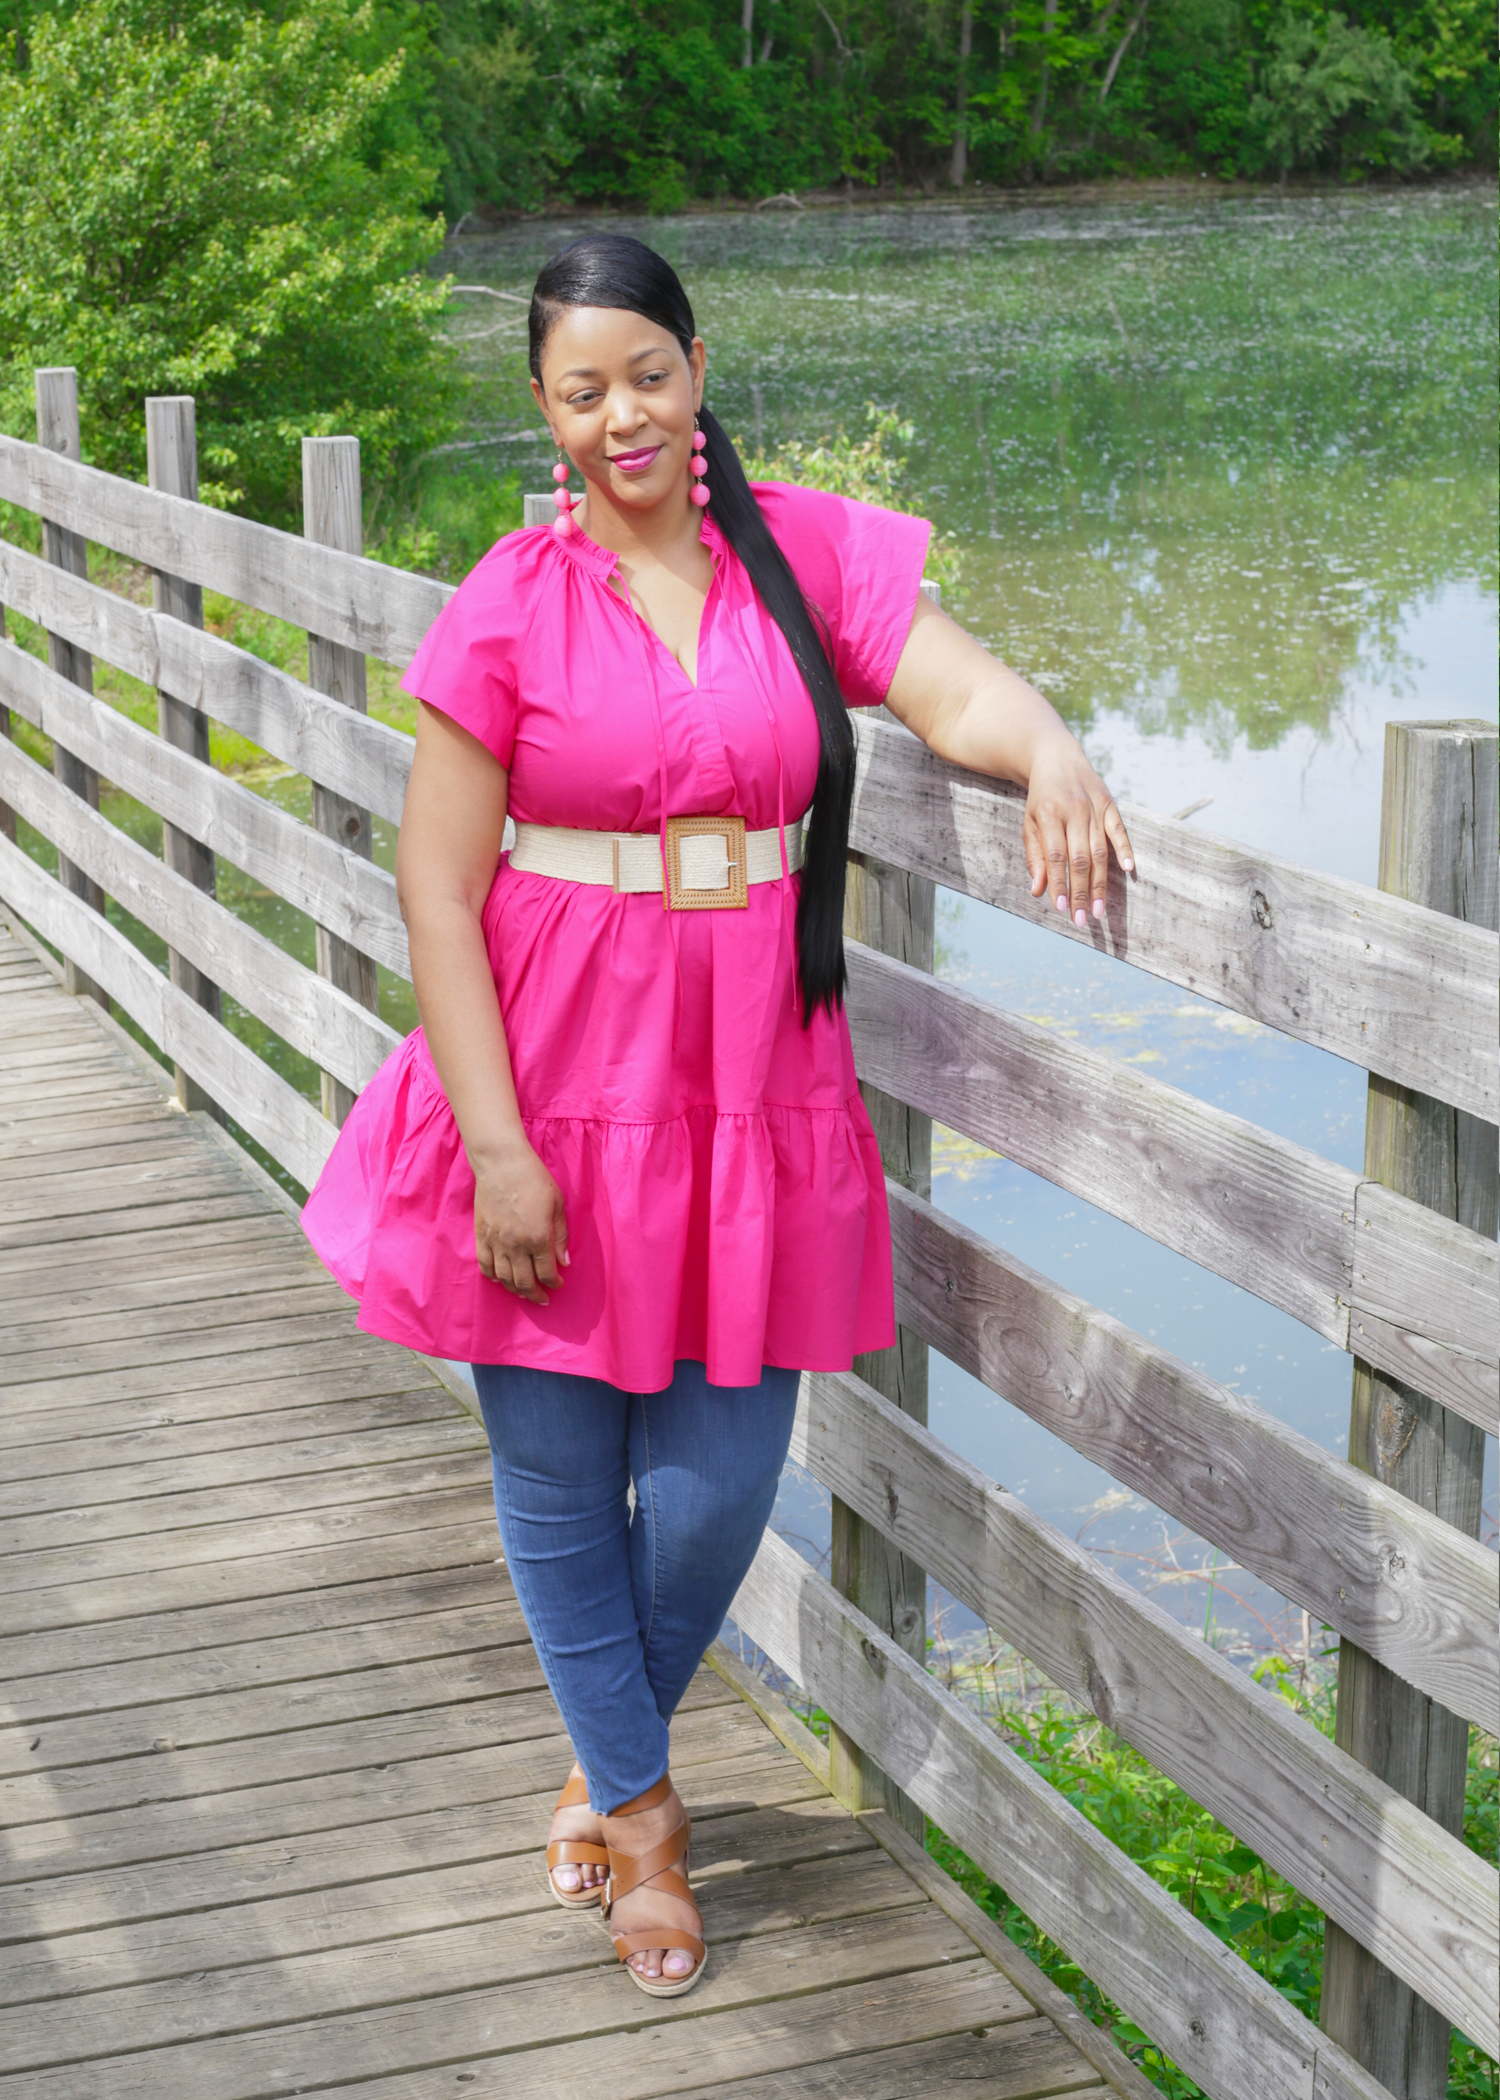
(214, 202)
(1337, 96)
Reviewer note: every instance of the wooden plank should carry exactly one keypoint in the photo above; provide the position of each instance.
(160, 1382)
(118, 1530)
(172, 464)
(382, 611)
(315, 874)
(99, 1498)
(430, 1841)
(161, 1654)
(509, 1944)
(1429, 1907)
(1439, 847)
(57, 430)
(1007, 2063)
(273, 1113)
(333, 515)
(1391, 987)
(778, 2040)
(175, 1247)
(1426, 1303)
(237, 1331)
(315, 1017)
(339, 1375)
(101, 1443)
(391, 1881)
(1093, 2043)
(1223, 2024)
(358, 1773)
(1268, 1215)
(526, 2013)
(255, 1563)
(72, 1231)
(359, 756)
(1412, 1589)
(83, 1300)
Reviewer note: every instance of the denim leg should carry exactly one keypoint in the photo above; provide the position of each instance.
(559, 1447)
(706, 1460)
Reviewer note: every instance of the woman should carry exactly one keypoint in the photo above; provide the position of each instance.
(624, 1168)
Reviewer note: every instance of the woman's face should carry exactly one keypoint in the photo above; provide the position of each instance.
(620, 398)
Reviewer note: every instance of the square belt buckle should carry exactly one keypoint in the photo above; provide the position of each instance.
(706, 864)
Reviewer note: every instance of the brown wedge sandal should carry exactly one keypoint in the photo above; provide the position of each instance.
(575, 1852)
(628, 1871)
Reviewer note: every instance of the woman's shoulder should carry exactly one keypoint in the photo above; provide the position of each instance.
(525, 556)
(811, 510)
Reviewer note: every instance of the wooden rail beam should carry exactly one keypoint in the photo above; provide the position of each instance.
(356, 755)
(1367, 1858)
(318, 875)
(1408, 1586)
(1226, 2027)
(1439, 847)
(172, 464)
(363, 604)
(1365, 975)
(333, 517)
(57, 430)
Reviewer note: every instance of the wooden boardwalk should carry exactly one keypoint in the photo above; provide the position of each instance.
(278, 1757)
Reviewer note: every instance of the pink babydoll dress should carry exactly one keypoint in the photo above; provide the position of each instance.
(724, 1193)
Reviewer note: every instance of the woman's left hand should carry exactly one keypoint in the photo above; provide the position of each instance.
(1072, 820)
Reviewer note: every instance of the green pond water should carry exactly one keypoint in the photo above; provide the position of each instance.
(1221, 475)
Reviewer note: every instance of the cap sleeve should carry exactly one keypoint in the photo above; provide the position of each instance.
(466, 665)
(859, 566)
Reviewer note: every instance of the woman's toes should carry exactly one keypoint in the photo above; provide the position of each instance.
(568, 1879)
(677, 1965)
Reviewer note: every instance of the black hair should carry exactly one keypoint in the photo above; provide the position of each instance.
(611, 269)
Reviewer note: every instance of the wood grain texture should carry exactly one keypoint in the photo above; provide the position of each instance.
(314, 1016)
(1425, 1303)
(172, 464)
(1362, 1854)
(274, 1113)
(358, 756)
(1391, 987)
(1409, 1587)
(1220, 2021)
(1268, 1215)
(316, 874)
(332, 516)
(363, 604)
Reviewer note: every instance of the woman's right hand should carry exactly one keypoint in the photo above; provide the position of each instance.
(520, 1228)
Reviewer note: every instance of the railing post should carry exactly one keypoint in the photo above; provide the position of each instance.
(7, 814)
(172, 465)
(894, 912)
(331, 515)
(57, 429)
(1439, 843)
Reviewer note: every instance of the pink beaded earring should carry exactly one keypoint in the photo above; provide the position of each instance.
(698, 467)
(560, 496)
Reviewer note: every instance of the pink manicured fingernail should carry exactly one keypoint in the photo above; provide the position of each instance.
(1098, 907)
(1080, 917)
(567, 1259)
(1128, 866)
(1062, 903)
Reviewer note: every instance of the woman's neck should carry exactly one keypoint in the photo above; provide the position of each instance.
(670, 533)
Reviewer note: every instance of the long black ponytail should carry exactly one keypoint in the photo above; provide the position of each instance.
(611, 269)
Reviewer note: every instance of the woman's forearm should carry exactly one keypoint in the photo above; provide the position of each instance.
(966, 705)
(461, 1018)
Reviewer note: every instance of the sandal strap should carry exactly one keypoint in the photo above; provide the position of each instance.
(574, 1852)
(627, 1870)
(574, 1795)
(652, 1798)
(628, 1943)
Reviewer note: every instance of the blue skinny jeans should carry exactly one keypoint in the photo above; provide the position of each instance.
(622, 1605)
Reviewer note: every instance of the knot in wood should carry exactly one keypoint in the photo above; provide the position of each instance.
(873, 1657)
(1260, 910)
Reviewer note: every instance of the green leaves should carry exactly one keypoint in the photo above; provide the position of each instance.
(202, 204)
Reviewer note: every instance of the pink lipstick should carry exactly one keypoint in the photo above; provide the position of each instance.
(634, 462)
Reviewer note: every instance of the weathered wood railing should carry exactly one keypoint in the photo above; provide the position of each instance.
(1406, 992)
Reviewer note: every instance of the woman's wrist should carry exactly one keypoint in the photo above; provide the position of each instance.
(495, 1150)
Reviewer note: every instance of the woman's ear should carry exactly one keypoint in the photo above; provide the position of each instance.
(541, 401)
(697, 365)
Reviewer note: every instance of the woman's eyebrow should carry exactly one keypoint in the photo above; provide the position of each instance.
(592, 371)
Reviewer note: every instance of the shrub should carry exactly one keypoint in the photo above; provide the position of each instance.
(213, 202)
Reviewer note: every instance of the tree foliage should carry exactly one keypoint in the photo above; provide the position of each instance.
(216, 202)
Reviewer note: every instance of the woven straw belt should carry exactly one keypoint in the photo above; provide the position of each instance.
(710, 861)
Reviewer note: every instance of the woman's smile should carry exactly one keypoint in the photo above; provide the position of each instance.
(635, 462)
